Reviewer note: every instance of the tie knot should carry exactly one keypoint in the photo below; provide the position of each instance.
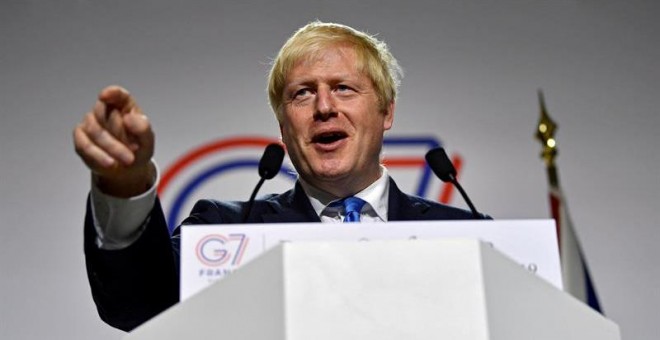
(352, 208)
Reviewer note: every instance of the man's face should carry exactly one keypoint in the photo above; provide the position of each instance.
(332, 122)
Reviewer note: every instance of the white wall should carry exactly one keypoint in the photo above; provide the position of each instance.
(472, 71)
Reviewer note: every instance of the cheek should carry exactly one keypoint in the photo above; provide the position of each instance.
(290, 146)
(291, 139)
(294, 130)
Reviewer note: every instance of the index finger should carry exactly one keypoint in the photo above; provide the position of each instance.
(117, 98)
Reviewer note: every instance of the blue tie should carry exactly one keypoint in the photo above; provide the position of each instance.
(352, 208)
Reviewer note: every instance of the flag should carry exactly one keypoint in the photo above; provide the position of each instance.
(575, 273)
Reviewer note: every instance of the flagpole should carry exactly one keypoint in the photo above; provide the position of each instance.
(576, 277)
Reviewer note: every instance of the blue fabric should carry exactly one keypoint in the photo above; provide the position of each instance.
(352, 208)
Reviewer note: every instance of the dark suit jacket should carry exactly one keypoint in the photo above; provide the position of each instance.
(132, 285)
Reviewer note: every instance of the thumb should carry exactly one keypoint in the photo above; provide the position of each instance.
(140, 132)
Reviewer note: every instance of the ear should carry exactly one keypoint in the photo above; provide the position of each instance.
(280, 141)
(389, 116)
(282, 137)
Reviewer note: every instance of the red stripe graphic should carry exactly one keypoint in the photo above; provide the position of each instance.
(206, 149)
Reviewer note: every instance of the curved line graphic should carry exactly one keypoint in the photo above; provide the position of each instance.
(216, 170)
(205, 149)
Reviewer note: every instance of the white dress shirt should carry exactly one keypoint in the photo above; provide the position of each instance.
(375, 210)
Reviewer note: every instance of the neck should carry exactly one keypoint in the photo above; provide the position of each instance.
(345, 186)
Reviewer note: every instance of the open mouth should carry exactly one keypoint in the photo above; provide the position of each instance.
(329, 137)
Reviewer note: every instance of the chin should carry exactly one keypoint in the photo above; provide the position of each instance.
(328, 175)
(334, 168)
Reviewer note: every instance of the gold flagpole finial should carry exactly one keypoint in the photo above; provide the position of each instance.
(545, 133)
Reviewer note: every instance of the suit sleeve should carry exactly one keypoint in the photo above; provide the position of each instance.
(133, 284)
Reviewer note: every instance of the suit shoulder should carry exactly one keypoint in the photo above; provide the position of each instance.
(439, 211)
(212, 211)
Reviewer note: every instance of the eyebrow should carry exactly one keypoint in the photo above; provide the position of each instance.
(335, 78)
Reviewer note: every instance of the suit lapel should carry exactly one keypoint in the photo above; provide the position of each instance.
(291, 207)
(402, 207)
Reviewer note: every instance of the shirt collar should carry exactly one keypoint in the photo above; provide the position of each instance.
(376, 195)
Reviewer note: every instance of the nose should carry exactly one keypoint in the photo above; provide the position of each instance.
(325, 105)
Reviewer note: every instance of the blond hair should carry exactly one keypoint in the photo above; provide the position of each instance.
(373, 59)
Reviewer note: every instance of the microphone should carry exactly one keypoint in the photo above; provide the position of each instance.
(443, 168)
(269, 166)
(271, 161)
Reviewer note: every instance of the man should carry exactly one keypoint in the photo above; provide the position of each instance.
(333, 91)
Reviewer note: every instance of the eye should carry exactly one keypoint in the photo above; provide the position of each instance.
(344, 91)
(302, 92)
(343, 88)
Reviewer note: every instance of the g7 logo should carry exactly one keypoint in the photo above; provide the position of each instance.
(215, 250)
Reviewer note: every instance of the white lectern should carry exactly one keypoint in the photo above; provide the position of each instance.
(444, 289)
